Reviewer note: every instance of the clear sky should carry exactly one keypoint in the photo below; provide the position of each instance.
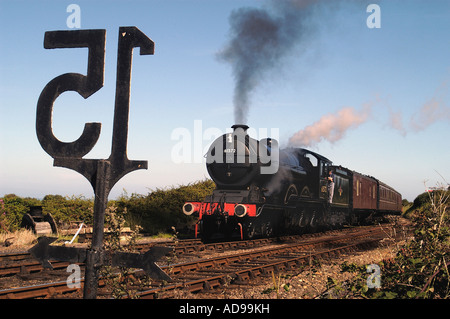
(392, 83)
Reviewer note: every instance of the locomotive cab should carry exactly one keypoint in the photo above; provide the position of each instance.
(316, 167)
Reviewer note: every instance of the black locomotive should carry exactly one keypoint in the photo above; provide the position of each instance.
(262, 191)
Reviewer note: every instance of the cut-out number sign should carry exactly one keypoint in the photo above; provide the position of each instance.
(101, 173)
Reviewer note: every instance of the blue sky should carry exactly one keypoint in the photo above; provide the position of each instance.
(399, 74)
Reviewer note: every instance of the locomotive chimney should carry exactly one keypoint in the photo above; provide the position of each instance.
(242, 126)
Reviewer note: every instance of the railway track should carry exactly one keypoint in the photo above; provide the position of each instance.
(17, 263)
(23, 262)
(208, 273)
(16, 256)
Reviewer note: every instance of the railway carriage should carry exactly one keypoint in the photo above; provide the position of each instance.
(389, 200)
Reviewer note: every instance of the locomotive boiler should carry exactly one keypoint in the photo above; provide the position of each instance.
(262, 191)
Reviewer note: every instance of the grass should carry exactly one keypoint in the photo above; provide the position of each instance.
(163, 235)
(19, 237)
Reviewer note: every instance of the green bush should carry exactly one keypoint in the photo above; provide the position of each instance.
(424, 201)
(12, 209)
(162, 208)
(420, 268)
(67, 209)
(63, 209)
(156, 212)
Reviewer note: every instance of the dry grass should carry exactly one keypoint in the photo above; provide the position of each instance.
(20, 237)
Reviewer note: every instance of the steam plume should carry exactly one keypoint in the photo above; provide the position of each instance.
(432, 111)
(395, 121)
(260, 39)
(330, 127)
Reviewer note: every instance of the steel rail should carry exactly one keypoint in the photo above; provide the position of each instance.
(16, 256)
(36, 291)
(30, 267)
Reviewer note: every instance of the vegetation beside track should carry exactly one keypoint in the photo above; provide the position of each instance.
(155, 212)
(160, 210)
(421, 267)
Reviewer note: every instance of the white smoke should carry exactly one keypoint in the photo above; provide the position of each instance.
(331, 127)
(396, 122)
(432, 111)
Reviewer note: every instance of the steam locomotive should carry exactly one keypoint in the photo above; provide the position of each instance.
(262, 191)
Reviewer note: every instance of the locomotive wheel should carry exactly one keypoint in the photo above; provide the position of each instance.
(304, 220)
(316, 220)
(305, 192)
(268, 229)
(251, 231)
(298, 227)
(291, 191)
(300, 221)
(313, 222)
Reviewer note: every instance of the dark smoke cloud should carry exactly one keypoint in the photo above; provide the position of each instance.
(260, 39)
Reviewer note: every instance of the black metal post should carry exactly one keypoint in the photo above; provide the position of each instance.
(94, 254)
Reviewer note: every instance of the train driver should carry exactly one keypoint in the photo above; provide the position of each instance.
(330, 186)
